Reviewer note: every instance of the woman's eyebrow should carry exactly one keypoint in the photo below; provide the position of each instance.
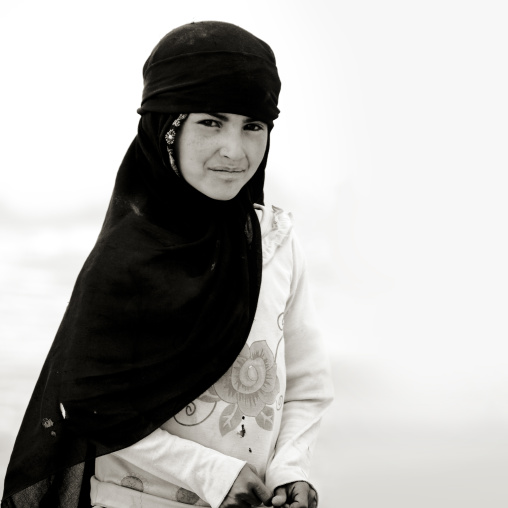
(220, 116)
(224, 118)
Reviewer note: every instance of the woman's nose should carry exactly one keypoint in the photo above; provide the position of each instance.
(232, 146)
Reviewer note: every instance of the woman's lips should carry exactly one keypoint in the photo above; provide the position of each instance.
(227, 170)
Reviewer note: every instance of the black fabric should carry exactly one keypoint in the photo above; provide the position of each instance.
(160, 310)
(211, 67)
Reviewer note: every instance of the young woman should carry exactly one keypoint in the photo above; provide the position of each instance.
(188, 369)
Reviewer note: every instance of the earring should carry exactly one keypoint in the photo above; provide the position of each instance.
(170, 136)
(170, 139)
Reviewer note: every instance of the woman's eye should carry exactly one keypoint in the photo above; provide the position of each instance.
(253, 127)
(210, 123)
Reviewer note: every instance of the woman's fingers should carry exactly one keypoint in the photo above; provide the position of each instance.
(247, 490)
(302, 495)
(295, 495)
(312, 498)
(262, 492)
(280, 497)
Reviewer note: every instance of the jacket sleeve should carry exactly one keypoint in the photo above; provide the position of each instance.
(206, 472)
(309, 388)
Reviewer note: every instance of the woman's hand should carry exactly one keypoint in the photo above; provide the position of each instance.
(248, 490)
(295, 495)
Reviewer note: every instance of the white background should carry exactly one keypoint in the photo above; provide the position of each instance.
(391, 153)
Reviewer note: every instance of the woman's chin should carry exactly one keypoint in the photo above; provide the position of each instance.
(221, 193)
(222, 196)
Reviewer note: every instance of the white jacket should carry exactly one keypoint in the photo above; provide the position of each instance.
(264, 411)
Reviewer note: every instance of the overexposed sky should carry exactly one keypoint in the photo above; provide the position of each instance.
(390, 149)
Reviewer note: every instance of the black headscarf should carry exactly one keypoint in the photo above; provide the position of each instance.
(166, 299)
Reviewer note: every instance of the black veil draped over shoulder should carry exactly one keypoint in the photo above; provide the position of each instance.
(165, 301)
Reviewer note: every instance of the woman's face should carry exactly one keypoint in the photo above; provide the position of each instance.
(218, 153)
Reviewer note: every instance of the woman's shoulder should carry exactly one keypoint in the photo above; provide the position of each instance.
(276, 228)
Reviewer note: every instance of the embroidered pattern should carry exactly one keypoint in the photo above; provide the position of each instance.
(194, 414)
(133, 482)
(186, 496)
(250, 386)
